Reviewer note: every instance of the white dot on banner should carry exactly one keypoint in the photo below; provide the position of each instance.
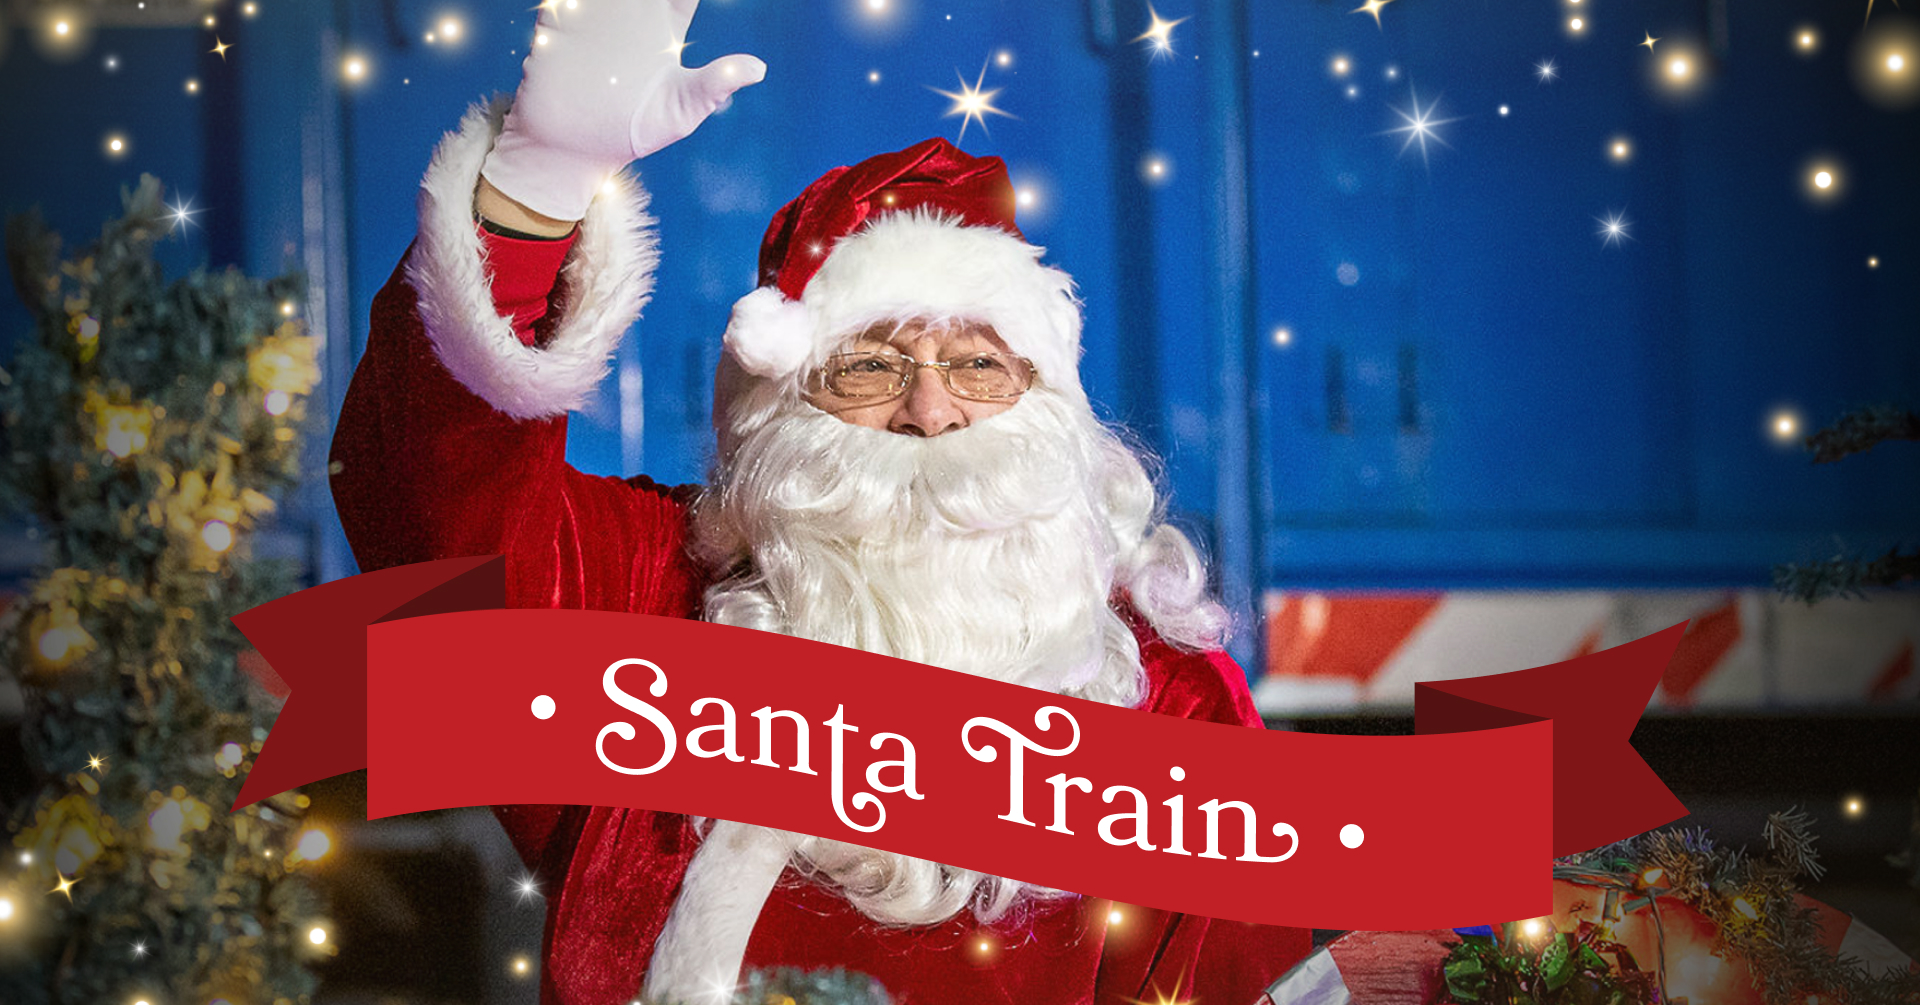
(543, 707)
(1351, 835)
(1177, 773)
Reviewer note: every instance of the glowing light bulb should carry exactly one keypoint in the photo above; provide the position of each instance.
(1024, 197)
(873, 76)
(62, 29)
(216, 535)
(317, 935)
(521, 965)
(355, 68)
(1620, 150)
(1873, 261)
(1113, 918)
(1854, 808)
(313, 844)
(192, 86)
(449, 29)
(1341, 66)
(1577, 25)
(1532, 927)
(54, 644)
(1283, 336)
(1896, 62)
(6, 908)
(1504, 110)
(1679, 68)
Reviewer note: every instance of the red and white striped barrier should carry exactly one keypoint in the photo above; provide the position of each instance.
(1331, 652)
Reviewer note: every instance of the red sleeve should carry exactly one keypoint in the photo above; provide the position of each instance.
(424, 469)
(1202, 959)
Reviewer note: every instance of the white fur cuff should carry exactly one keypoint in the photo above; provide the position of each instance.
(605, 281)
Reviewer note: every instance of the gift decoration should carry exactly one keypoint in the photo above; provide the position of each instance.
(1669, 916)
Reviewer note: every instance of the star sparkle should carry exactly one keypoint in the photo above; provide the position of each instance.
(1372, 7)
(182, 214)
(527, 888)
(96, 763)
(219, 48)
(1547, 70)
(973, 102)
(140, 950)
(1159, 32)
(1650, 40)
(65, 886)
(1420, 126)
(1613, 228)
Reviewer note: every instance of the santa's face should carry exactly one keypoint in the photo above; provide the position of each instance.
(919, 377)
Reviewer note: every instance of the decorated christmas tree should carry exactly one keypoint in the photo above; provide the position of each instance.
(149, 426)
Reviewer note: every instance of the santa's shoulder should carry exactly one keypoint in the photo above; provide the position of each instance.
(1206, 685)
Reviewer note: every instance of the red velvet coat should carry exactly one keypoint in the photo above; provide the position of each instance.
(427, 469)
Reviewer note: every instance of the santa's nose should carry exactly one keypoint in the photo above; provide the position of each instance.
(928, 408)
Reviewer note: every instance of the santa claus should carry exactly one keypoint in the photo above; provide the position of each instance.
(907, 464)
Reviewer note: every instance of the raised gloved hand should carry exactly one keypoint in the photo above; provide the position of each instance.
(602, 86)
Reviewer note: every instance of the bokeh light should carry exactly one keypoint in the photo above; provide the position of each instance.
(62, 32)
(1886, 63)
(1823, 180)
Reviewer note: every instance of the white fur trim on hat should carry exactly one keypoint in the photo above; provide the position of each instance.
(605, 281)
(768, 334)
(917, 265)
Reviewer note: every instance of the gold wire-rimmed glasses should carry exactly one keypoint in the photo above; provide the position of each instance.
(873, 376)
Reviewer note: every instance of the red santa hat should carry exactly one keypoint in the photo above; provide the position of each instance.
(927, 232)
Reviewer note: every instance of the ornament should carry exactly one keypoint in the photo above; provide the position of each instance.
(120, 430)
(57, 636)
(284, 362)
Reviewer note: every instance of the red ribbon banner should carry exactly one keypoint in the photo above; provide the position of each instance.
(419, 675)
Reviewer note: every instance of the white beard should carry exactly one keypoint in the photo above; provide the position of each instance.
(988, 550)
(994, 550)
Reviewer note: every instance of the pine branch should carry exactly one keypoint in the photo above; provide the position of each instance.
(1861, 430)
(1790, 837)
(1844, 576)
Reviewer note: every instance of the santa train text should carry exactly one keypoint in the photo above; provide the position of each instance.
(721, 739)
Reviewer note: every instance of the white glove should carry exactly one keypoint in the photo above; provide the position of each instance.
(605, 87)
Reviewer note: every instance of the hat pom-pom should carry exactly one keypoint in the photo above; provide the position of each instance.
(768, 334)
